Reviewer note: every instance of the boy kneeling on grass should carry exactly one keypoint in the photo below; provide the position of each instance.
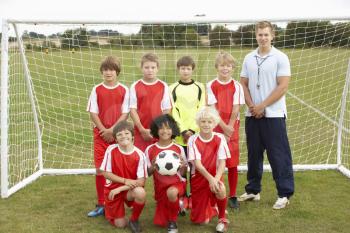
(209, 151)
(124, 167)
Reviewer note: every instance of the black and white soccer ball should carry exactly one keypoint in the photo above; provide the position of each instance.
(167, 163)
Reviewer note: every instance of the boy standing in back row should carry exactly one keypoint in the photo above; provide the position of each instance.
(149, 98)
(226, 94)
(108, 104)
(187, 97)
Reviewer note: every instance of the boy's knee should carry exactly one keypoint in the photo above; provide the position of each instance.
(139, 193)
(120, 222)
(172, 193)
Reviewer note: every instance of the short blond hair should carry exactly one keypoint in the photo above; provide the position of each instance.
(265, 24)
(150, 57)
(224, 58)
(208, 112)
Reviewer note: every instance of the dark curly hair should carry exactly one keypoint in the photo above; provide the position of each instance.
(165, 119)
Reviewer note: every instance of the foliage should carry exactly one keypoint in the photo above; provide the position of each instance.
(297, 34)
(220, 36)
(76, 38)
(168, 36)
(31, 35)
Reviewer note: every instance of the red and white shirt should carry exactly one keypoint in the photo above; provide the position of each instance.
(109, 103)
(161, 181)
(130, 165)
(225, 96)
(208, 151)
(150, 100)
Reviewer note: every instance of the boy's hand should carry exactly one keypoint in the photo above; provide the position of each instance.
(131, 183)
(146, 135)
(113, 193)
(186, 136)
(182, 162)
(214, 185)
(153, 162)
(107, 135)
(228, 131)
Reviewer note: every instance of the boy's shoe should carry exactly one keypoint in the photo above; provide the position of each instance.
(100, 210)
(233, 203)
(135, 226)
(281, 203)
(222, 225)
(182, 210)
(172, 227)
(249, 197)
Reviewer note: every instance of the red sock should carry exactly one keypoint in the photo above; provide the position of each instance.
(136, 210)
(222, 207)
(100, 184)
(173, 210)
(232, 180)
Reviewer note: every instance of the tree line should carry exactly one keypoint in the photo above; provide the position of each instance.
(298, 34)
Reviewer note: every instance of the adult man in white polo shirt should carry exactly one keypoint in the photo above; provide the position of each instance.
(265, 76)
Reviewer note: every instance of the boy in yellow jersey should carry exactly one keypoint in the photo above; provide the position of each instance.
(187, 96)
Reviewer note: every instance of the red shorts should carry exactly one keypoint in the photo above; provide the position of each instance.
(161, 213)
(115, 209)
(233, 145)
(203, 200)
(100, 147)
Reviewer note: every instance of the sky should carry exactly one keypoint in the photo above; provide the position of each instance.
(165, 10)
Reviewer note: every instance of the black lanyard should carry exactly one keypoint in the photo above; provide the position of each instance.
(259, 65)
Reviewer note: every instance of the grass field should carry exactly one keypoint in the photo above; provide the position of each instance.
(62, 82)
(60, 203)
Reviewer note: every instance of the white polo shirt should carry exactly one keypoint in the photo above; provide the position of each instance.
(273, 65)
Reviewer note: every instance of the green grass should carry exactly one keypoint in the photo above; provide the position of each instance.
(60, 204)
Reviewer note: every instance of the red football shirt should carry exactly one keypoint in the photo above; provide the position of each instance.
(130, 165)
(109, 103)
(160, 181)
(224, 96)
(150, 99)
(208, 151)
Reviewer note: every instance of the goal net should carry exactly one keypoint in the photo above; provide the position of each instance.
(48, 70)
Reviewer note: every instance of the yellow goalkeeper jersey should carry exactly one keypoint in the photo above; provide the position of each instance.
(186, 99)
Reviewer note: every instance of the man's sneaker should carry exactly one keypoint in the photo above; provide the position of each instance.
(281, 203)
(222, 225)
(135, 226)
(100, 210)
(233, 203)
(249, 197)
(172, 227)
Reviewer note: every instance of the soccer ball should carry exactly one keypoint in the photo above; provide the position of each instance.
(167, 163)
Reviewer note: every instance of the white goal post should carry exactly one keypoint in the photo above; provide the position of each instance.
(48, 69)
